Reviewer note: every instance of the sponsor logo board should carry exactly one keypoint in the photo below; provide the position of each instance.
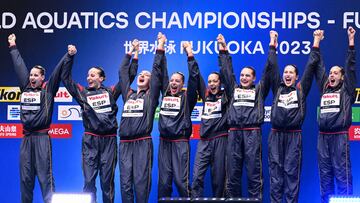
(357, 92)
(195, 135)
(60, 131)
(355, 114)
(15, 130)
(196, 113)
(63, 95)
(267, 113)
(69, 112)
(13, 112)
(9, 94)
(12, 94)
(354, 133)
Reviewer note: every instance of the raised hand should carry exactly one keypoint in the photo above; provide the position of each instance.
(274, 38)
(188, 48)
(135, 45)
(351, 34)
(71, 50)
(318, 36)
(221, 41)
(161, 40)
(12, 40)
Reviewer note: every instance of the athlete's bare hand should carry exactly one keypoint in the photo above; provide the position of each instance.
(161, 38)
(351, 34)
(12, 40)
(135, 44)
(71, 50)
(221, 41)
(187, 46)
(319, 34)
(273, 38)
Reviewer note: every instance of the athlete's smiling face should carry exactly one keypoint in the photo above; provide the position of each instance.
(94, 79)
(247, 77)
(214, 83)
(290, 75)
(36, 78)
(335, 76)
(143, 80)
(176, 83)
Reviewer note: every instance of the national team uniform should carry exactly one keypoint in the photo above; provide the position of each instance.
(211, 148)
(287, 116)
(36, 111)
(334, 122)
(136, 147)
(99, 142)
(246, 115)
(175, 129)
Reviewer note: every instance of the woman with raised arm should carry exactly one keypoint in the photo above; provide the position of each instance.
(99, 143)
(246, 115)
(136, 147)
(211, 148)
(337, 95)
(36, 108)
(175, 125)
(287, 116)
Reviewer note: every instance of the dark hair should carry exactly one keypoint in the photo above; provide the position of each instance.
(252, 69)
(342, 71)
(101, 71)
(216, 73)
(181, 74)
(295, 67)
(42, 69)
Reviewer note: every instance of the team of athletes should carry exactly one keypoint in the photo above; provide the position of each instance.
(230, 131)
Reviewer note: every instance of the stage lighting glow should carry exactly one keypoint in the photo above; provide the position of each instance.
(71, 198)
(344, 199)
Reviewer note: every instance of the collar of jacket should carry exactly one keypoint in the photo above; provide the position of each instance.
(246, 88)
(293, 86)
(216, 96)
(179, 94)
(34, 89)
(141, 91)
(92, 88)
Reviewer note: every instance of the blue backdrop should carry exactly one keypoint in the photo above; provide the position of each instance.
(101, 31)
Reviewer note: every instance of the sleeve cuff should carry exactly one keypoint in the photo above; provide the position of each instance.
(191, 58)
(272, 47)
(223, 52)
(128, 56)
(315, 48)
(160, 51)
(13, 47)
(135, 60)
(352, 47)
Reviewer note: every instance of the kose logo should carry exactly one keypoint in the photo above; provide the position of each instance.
(9, 94)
